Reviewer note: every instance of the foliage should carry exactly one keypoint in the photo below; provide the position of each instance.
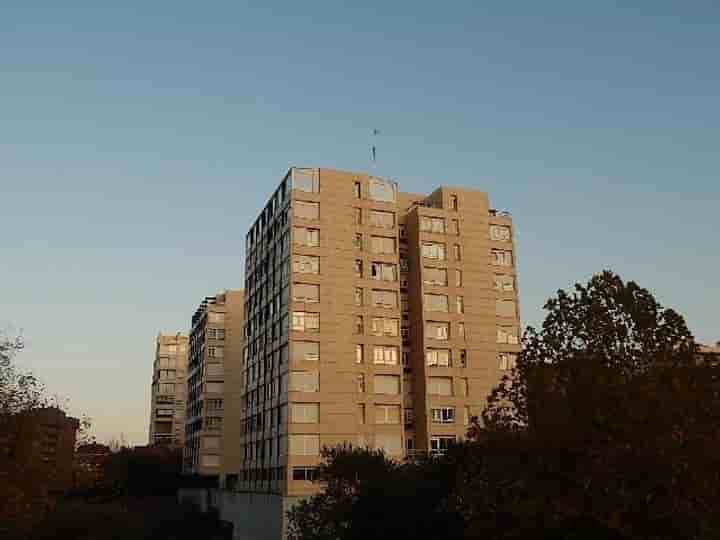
(144, 471)
(19, 390)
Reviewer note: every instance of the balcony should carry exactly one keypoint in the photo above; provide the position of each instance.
(499, 213)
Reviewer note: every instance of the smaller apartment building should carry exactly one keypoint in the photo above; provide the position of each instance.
(215, 351)
(167, 399)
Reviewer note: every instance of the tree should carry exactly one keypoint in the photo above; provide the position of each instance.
(19, 390)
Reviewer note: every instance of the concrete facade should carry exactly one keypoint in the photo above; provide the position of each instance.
(373, 317)
(215, 352)
(167, 397)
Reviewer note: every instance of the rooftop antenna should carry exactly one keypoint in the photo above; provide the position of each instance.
(375, 133)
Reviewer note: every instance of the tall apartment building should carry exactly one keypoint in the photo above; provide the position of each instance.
(216, 339)
(373, 317)
(167, 399)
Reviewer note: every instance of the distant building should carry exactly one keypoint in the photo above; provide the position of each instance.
(709, 353)
(214, 376)
(89, 467)
(36, 451)
(167, 401)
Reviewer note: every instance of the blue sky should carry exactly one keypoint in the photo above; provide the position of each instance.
(138, 142)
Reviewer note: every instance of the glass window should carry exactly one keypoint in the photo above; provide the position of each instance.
(387, 384)
(383, 271)
(433, 250)
(454, 226)
(306, 180)
(306, 237)
(507, 361)
(306, 264)
(432, 224)
(307, 474)
(464, 390)
(381, 190)
(504, 283)
(438, 357)
(443, 415)
(358, 296)
(304, 321)
(357, 213)
(305, 351)
(305, 413)
(357, 241)
(385, 354)
(437, 330)
(461, 330)
(505, 308)
(359, 353)
(460, 304)
(453, 202)
(458, 278)
(216, 317)
(440, 386)
(360, 382)
(440, 445)
(304, 381)
(383, 326)
(387, 414)
(500, 233)
(436, 302)
(378, 218)
(501, 257)
(457, 252)
(384, 299)
(357, 267)
(304, 445)
(382, 244)
(306, 292)
(507, 334)
(216, 352)
(307, 210)
(435, 276)
(357, 190)
(359, 327)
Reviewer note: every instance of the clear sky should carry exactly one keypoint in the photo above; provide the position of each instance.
(138, 142)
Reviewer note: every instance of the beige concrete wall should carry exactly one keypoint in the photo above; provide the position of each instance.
(233, 385)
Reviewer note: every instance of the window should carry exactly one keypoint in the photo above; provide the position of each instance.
(387, 414)
(360, 382)
(432, 224)
(214, 370)
(357, 241)
(404, 301)
(458, 278)
(505, 308)
(387, 384)
(358, 296)
(440, 445)
(357, 190)
(216, 352)
(435, 276)
(403, 264)
(507, 361)
(305, 351)
(306, 292)
(214, 423)
(433, 250)
(440, 386)
(307, 474)
(220, 333)
(460, 304)
(164, 412)
(304, 445)
(382, 326)
(383, 271)
(453, 202)
(384, 299)
(211, 333)
(305, 321)
(306, 180)
(504, 283)
(466, 416)
(461, 330)
(438, 357)
(359, 353)
(437, 330)
(464, 391)
(357, 216)
(306, 237)
(501, 257)
(408, 416)
(435, 302)
(443, 415)
(167, 374)
(167, 388)
(382, 244)
(454, 227)
(359, 327)
(304, 381)
(382, 219)
(216, 317)
(457, 252)
(385, 354)
(500, 233)
(507, 334)
(381, 190)
(402, 232)
(463, 358)
(307, 210)
(305, 413)
(357, 268)
(361, 413)
(388, 442)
